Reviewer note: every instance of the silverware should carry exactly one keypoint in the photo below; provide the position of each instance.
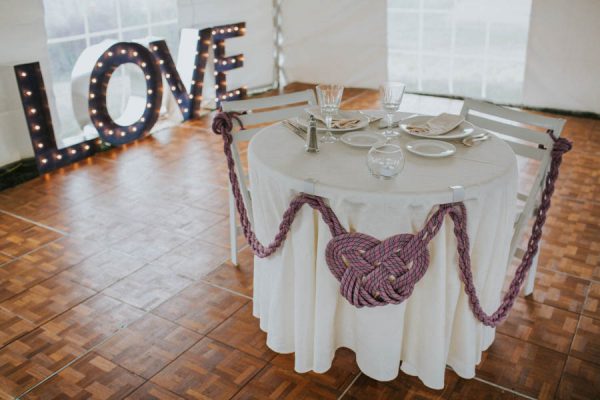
(472, 140)
(294, 128)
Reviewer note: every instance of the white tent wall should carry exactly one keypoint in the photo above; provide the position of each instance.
(257, 45)
(563, 55)
(22, 40)
(342, 41)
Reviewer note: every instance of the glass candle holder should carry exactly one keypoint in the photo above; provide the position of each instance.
(385, 161)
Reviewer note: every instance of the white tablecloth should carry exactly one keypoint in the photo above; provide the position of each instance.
(297, 298)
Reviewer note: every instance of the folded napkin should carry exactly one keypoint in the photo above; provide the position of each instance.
(337, 122)
(436, 126)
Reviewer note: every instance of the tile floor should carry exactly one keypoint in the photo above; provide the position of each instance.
(114, 283)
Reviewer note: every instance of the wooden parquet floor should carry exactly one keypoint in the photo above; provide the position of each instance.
(114, 283)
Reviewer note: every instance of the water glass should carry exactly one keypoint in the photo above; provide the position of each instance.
(385, 160)
(390, 95)
(330, 97)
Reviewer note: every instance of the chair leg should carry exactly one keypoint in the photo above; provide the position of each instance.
(530, 280)
(232, 229)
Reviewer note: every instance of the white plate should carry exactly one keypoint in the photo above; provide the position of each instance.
(364, 121)
(362, 139)
(431, 148)
(463, 130)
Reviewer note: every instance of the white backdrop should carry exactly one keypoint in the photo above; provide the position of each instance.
(563, 55)
(343, 41)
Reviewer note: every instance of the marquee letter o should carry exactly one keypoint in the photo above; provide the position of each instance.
(117, 55)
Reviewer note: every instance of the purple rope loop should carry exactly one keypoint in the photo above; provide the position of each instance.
(373, 272)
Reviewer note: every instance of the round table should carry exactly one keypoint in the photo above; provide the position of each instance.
(297, 298)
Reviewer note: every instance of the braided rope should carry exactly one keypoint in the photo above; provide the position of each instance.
(373, 272)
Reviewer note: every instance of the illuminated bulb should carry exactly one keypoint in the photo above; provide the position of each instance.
(222, 31)
(179, 101)
(28, 93)
(185, 110)
(224, 63)
(154, 48)
(134, 129)
(110, 53)
(92, 95)
(94, 111)
(100, 64)
(23, 74)
(94, 80)
(191, 96)
(216, 86)
(87, 147)
(230, 94)
(40, 145)
(135, 53)
(37, 127)
(214, 46)
(73, 151)
(100, 124)
(59, 156)
(162, 61)
(173, 88)
(214, 32)
(147, 77)
(224, 97)
(33, 110)
(237, 92)
(123, 51)
(110, 132)
(167, 76)
(149, 91)
(236, 28)
(148, 105)
(122, 133)
(44, 160)
(233, 61)
(143, 64)
(142, 119)
(216, 73)
(228, 29)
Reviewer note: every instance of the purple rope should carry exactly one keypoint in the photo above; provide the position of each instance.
(375, 273)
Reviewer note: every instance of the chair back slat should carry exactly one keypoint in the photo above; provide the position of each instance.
(271, 116)
(517, 132)
(271, 101)
(526, 151)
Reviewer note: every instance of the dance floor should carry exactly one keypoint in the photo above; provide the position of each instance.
(114, 283)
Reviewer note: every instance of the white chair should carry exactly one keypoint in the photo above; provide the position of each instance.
(526, 134)
(277, 108)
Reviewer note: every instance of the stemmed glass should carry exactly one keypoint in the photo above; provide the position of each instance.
(330, 97)
(390, 95)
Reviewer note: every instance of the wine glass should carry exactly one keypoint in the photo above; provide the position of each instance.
(385, 160)
(330, 97)
(390, 95)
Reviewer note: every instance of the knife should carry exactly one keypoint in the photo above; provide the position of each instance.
(294, 128)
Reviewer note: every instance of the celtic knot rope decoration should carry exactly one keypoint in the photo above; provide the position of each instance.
(375, 273)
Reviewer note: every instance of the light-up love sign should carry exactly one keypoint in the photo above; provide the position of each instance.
(155, 62)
